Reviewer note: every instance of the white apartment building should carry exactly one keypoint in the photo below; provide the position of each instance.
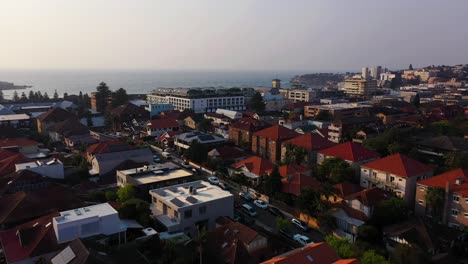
(99, 219)
(302, 95)
(189, 206)
(200, 100)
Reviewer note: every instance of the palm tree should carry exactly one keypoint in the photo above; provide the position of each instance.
(435, 199)
(200, 240)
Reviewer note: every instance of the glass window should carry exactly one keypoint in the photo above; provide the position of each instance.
(187, 214)
(454, 212)
(456, 198)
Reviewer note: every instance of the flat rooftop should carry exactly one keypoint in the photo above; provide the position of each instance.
(14, 117)
(156, 173)
(339, 106)
(179, 195)
(98, 210)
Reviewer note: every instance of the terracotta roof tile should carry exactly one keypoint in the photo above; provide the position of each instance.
(256, 165)
(350, 151)
(163, 123)
(287, 170)
(399, 165)
(319, 253)
(55, 115)
(371, 197)
(310, 142)
(345, 189)
(450, 176)
(230, 153)
(108, 146)
(249, 124)
(276, 132)
(5, 143)
(297, 182)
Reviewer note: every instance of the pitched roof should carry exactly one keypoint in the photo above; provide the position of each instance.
(317, 253)
(296, 182)
(70, 127)
(8, 160)
(256, 165)
(399, 165)
(276, 132)
(78, 249)
(24, 180)
(371, 197)
(22, 206)
(20, 142)
(250, 124)
(163, 123)
(310, 142)
(108, 146)
(129, 109)
(449, 176)
(55, 115)
(413, 230)
(229, 153)
(289, 169)
(345, 189)
(351, 151)
(447, 143)
(31, 239)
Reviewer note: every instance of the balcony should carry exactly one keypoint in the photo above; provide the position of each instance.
(379, 183)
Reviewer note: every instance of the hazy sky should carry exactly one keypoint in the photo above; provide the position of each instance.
(307, 35)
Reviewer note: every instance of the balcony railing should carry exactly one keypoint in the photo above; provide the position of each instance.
(380, 182)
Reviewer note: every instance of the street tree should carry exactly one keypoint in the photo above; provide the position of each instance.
(257, 103)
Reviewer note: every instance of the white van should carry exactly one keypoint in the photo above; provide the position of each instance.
(249, 210)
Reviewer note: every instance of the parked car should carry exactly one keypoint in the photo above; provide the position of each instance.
(168, 150)
(156, 159)
(224, 186)
(300, 224)
(166, 155)
(249, 210)
(197, 171)
(186, 165)
(301, 239)
(261, 204)
(246, 196)
(275, 211)
(213, 180)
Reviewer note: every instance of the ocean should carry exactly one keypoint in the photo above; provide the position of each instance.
(74, 81)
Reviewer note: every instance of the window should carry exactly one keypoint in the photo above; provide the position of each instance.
(188, 214)
(454, 212)
(392, 179)
(466, 215)
(421, 202)
(466, 200)
(202, 210)
(456, 198)
(374, 174)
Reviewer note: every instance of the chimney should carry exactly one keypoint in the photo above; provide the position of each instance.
(446, 203)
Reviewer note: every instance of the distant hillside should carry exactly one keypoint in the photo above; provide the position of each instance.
(318, 79)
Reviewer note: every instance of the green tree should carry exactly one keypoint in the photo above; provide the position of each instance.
(119, 97)
(46, 97)
(111, 196)
(1, 96)
(197, 152)
(125, 193)
(310, 201)
(240, 178)
(205, 124)
(56, 97)
(294, 154)
(65, 95)
(404, 254)
(369, 233)
(417, 101)
(283, 224)
(23, 97)
(15, 96)
(136, 209)
(371, 257)
(323, 116)
(257, 103)
(102, 96)
(272, 183)
(342, 246)
(435, 199)
(390, 211)
(335, 170)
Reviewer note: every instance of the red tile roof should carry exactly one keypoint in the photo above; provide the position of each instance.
(163, 123)
(169, 135)
(287, 170)
(5, 143)
(399, 165)
(297, 182)
(317, 253)
(256, 165)
(249, 124)
(29, 240)
(276, 132)
(108, 146)
(371, 197)
(8, 160)
(310, 142)
(450, 176)
(350, 151)
(345, 189)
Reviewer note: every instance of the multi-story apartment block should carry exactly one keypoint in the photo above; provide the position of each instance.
(266, 143)
(455, 206)
(422, 74)
(189, 206)
(302, 95)
(395, 173)
(344, 110)
(241, 131)
(360, 87)
(200, 100)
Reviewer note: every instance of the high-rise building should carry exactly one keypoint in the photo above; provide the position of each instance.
(360, 87)
(373, 72)
(365, 72)
(379, 71)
